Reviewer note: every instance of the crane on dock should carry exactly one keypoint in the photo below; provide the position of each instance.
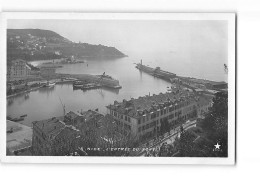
(63, 107)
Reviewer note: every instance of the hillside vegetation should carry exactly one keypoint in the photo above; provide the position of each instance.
(38, 44)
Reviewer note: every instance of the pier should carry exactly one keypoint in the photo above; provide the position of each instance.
(188, 82)
(156, 72)
(102, 80)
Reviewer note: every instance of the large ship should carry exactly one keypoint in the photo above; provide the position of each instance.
(108, 81)
(157, 72)
(104, 80)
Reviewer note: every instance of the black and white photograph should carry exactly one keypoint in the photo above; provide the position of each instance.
(119, 87)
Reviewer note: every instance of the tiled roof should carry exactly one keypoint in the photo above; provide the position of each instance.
(88, 115)
(150, 103)
(73, 115)
(50, 126)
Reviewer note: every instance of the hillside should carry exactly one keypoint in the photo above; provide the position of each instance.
(38, 44)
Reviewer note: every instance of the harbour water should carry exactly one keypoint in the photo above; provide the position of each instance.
(45, 102)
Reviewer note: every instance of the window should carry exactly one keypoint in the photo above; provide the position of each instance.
(164, 111)
(161, 112)
(125, 118)
(139, 121)
(129, 120)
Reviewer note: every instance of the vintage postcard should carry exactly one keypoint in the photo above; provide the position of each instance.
(130, 88)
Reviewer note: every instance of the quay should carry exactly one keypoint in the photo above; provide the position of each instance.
(156, 72)
(102, 80)
(194, 84)
(18, 137)
(25, 91)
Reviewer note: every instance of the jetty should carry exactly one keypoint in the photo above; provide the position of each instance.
(191, 83)
(156, 72)
(102, 80)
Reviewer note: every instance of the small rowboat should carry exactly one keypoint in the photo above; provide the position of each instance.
(79, 86)
(21, 118)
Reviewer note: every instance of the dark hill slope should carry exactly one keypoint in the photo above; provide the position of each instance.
(37, 44)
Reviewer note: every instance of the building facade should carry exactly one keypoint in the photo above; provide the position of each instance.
(145, 115)
(53, 137)
(20, 70)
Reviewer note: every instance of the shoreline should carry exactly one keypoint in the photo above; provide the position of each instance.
(23, 92)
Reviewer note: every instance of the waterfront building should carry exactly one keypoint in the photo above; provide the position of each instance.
(53, 137)
(144, 115)
(20, 70)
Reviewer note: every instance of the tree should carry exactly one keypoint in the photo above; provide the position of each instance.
(165, 126)
(215, 123)
(105, 136)
(215, 130)
(185, 144)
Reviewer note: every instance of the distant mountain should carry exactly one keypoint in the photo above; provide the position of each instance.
(38, 44)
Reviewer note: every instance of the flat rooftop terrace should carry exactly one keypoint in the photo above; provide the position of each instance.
(20, 138)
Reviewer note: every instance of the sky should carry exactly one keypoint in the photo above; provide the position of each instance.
(195, 42)
(131, 35)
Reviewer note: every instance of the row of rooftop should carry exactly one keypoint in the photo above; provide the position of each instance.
(149, 104)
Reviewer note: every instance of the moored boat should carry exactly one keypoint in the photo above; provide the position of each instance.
(25, 115)
(78, 86)
(50, 84)
(114, 86)
(17, 119)
(91, 86)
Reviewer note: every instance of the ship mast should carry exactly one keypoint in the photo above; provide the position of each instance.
(63, 107)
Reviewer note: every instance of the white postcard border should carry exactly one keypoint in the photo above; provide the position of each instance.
(230, 17)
